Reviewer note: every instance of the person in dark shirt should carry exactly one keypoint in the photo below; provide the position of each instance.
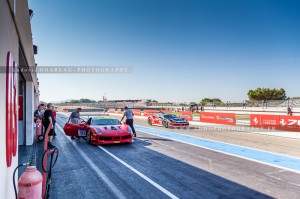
(74, 118)
(48, 121)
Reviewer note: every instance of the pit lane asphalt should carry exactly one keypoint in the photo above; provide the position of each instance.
(183, 170)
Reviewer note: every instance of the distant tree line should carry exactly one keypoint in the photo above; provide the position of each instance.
(81, 101)
(215, 101)
(267, 94)
(257, 94)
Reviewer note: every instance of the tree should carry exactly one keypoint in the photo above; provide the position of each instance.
(267, 94)
(82, 101)
(87, 101)
(205, 101)
(74, 101)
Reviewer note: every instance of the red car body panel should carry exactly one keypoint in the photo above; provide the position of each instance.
(110, 134)
(119, 134)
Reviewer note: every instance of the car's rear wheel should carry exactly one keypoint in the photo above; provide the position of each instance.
(88, 136)
(149, 121)
(165, 124)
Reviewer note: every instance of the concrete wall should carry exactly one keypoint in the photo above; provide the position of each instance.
(8, 42)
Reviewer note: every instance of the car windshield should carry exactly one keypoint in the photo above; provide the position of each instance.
(104, 121)
(170, 116)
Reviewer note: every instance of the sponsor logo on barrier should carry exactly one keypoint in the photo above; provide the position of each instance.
(150, 112)
(218, 118)
(207, 117)
(136, 112)
(289, 122)
(188, 115)
(225, 118)
(255, 120)
(278, 122)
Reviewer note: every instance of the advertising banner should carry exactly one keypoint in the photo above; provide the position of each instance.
(112, 110)
(289, 123)
(136, 112)
(218, 118)
(166, 111)
(276, 122)
(188, 115)
(150, 112)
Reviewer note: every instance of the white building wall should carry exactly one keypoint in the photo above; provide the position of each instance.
(8, 42)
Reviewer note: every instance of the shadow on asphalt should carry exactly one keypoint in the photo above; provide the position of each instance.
(178, 177)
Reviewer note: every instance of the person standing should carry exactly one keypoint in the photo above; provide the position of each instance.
(244, 104)
(54, 121)
(289, 111)
(74, 117)
(129, 119)
(48, 121)
(38, 113)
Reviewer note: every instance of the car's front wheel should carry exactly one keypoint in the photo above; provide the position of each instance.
(149, 121)
(88, 136)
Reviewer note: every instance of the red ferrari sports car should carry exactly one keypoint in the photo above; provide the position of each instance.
(99, 130)
(167, 120)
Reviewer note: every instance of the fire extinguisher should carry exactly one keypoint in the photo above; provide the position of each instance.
(39, 135)
(30, 183)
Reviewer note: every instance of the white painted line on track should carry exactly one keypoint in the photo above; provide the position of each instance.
(100, 174)
(238, 156)
(214, 141)
(230, 154)
(140, 174)
(125, 164)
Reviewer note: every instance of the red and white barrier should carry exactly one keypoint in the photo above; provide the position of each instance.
(188, 115)
(218, 118)
(276, 122)
(148, 113)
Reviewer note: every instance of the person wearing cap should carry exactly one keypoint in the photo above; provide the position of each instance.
(129, 119)
(74, 117)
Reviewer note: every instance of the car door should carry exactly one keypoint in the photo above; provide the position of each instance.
(72, 129)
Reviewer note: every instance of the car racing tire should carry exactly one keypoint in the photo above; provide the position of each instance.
(165, 124)
(88, 136)
(150, 121)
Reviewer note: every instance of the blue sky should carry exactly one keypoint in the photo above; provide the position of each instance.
(179, 51)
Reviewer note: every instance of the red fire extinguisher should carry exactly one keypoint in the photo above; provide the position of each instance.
(39, 136)
(30, 184)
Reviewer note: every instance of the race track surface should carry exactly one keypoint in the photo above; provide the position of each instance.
(157, 167)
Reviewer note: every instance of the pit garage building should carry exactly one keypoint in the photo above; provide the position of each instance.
(18, 90)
